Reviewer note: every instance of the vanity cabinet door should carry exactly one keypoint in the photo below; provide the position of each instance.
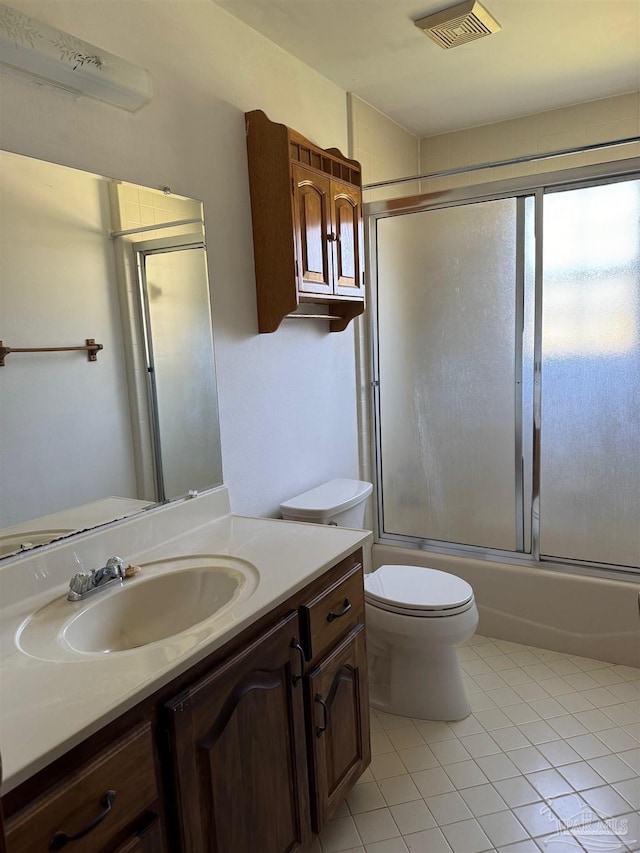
(338, 702)
(239, 754)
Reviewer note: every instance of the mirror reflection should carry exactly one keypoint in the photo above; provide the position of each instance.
(83, 441)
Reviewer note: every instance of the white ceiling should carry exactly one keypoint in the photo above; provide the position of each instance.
(549, 54)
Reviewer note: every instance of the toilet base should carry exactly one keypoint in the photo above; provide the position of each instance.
(406, 687)
(427, 687)
(413, 664)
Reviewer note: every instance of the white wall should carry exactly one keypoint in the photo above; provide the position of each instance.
(589, 123)
(287, 400)
(384, 148)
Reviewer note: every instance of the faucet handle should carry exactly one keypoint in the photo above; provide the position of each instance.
(115, 563)
(80, 582)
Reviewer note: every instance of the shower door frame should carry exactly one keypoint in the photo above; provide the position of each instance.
(526, 505)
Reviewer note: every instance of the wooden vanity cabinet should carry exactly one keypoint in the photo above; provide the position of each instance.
(306, 210)
(268, 744)
(251, 750)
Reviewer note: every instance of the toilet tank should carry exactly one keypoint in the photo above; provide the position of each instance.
(339, 502)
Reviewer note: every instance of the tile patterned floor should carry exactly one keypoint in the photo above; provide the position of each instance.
(548, 760)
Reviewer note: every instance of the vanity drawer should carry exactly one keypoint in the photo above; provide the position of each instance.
(127, 767)
(328, 616)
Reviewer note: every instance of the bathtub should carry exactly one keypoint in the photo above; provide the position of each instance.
(579, 614)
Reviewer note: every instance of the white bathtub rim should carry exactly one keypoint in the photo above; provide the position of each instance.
(576, 614)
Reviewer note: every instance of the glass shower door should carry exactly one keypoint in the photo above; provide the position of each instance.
(449, 317)
(590, 401)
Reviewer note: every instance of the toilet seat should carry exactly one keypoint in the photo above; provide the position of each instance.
(418, 592)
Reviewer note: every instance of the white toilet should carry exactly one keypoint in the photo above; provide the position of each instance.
(415, 616)
(415, 619)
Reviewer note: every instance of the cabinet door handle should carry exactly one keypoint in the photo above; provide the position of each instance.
(345, 609)
(296, 645)
(325, 715)
(61, 839)
(331, 237)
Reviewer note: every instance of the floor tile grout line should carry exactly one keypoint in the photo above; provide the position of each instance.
(590, 737)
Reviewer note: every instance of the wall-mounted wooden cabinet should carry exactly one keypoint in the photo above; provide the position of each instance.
(306, 208)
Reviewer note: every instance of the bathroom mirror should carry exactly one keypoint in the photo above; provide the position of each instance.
(108, 398)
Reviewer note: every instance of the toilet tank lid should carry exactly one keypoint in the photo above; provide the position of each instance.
(417, 587)
(327, 499)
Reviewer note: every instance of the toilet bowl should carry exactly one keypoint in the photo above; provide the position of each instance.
(416, 618)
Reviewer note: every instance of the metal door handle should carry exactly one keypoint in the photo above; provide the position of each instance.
(296, 645)
(61, 839)
(345, 609)
(325, 715)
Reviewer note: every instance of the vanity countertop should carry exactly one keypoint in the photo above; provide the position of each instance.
(47, 706)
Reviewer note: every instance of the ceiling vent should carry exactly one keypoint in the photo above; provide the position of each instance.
(459, 24)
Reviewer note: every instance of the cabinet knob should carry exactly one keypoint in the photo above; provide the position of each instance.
(331, 237)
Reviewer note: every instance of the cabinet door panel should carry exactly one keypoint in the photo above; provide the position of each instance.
(312, 225)
(337, 696)
(348, 245)
(239, 752)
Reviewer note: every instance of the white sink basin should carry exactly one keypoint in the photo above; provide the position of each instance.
(152, 610)
(166, 599)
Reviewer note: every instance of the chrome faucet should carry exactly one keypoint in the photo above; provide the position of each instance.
(84, 584)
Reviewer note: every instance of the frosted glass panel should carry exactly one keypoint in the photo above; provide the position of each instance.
(590, 428)
(185, 380)
(447, 319)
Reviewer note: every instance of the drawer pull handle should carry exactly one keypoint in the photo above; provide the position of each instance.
(61, 839)
(325, 715)
(296, 645)
(345, 609)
